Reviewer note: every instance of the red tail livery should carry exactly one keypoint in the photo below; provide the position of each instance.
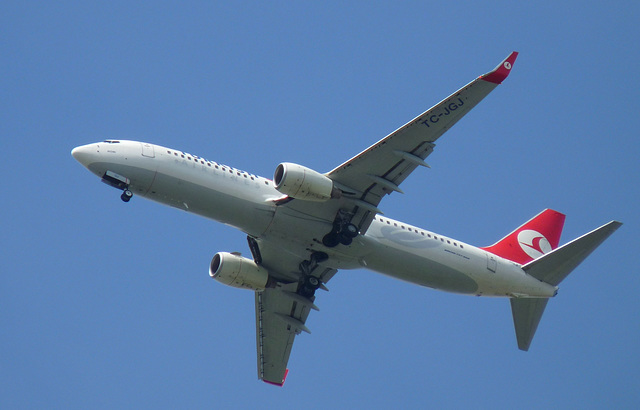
(536, 237)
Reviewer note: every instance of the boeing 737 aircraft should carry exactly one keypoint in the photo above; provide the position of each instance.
(303, 226)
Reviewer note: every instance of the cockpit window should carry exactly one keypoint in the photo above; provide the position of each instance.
(112, 142)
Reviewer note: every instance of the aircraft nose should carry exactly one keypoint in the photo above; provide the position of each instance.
(83, 154)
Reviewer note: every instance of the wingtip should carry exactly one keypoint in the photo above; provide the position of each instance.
(280, 384)
(501, 72)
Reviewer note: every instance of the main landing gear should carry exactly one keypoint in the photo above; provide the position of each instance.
(126, 195)
(343, 232)
(309, 283)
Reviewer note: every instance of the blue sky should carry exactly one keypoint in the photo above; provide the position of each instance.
(109, 305)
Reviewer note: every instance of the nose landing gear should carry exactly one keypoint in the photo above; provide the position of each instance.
(119, 182)
(126, 195)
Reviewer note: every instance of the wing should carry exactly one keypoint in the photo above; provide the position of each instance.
(381, 168)
(281, 312)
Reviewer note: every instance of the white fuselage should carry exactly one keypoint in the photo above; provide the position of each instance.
(247, 202)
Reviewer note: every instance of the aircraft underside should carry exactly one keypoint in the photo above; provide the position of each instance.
(303, 226)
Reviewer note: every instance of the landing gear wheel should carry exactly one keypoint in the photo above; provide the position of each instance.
(350, 230)
(345, 239)
(126, 195)
(309, 286)
(312, 282)
(331, 240)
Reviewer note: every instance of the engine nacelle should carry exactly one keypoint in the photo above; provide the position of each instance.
(302, 183)
(238, 272)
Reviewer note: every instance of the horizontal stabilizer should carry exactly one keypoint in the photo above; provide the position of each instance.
(552, 268)
(556, 265)
(526, 316)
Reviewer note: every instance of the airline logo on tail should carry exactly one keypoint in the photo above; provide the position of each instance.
(536, 237)
(533, 243)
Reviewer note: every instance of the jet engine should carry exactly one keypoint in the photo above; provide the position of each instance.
(302, 183)
(238, 272)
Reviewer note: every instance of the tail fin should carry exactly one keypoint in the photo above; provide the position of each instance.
(526, 316)
(553, 268)
(534, 238)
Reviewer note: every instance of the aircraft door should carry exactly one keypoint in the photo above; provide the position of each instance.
(492, 262)
(147, 150)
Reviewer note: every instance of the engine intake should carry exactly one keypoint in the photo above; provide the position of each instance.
(238, 272)
(302, 183)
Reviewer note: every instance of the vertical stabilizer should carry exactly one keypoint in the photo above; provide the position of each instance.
(533, 239)
(526, 316)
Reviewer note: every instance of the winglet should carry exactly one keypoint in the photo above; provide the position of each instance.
(284, 379)
(498, 75)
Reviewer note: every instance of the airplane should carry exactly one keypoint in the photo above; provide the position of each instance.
(302, 226)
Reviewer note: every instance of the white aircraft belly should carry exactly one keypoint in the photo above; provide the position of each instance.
(419, 267)
(218, 204)
(196, 189)
(445, 264)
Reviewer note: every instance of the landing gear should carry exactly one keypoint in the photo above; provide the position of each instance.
(343, 231)
(350, 230)
(309, 283)
(309, 286)
(126, 195)
(312, 282)
(331, 240)
(346, 240)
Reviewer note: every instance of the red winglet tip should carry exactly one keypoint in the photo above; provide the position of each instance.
(498, 75)
(284, 378)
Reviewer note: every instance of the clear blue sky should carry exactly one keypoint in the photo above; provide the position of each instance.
(110, 305)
